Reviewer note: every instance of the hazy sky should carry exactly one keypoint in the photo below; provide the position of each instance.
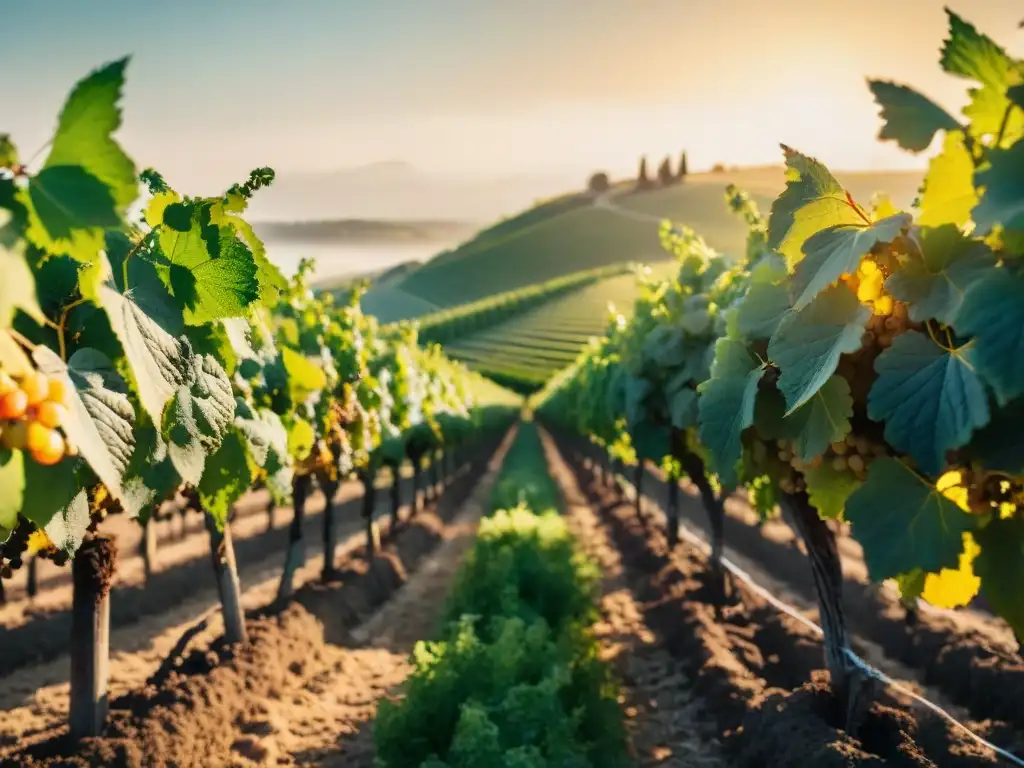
(216, 87)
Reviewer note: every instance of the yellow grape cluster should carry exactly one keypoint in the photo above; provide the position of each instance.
(33, 408)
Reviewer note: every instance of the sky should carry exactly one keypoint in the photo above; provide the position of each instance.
(485, 87)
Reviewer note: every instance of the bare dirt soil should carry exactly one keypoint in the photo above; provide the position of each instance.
(758, 674)
(302, 690)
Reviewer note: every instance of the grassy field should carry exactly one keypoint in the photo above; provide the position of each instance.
(525, 351)
(568, 234)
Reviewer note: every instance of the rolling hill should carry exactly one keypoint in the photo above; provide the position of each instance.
(571, 233)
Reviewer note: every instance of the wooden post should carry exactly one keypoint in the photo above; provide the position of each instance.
(296, 555)
(396, 496)
(147, 548)
(428, 487)
(369, 506)
(638, 481)
(223, 556)
(852, 688)
(271, 513)
(32, 585)
(92, 572)
(330, 488)
(417, 502)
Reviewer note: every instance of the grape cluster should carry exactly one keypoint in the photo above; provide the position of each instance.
(33, 408)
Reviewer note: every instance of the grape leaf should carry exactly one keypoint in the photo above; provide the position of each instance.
(637, 390)
(84, 133)
(695, 318)
(1000, 565)
(12, 487)
(665, 345)
(650, 441)
(100, 415)
(828, 489)
(910, 119)
(68, 210)
(975, 56)
(1002, 201)
(813, 200)
(822, 420)
(999, 445)
(226, 478)
(8, 152)
(949, 195)
(930, 398)
(683, 408)
(954, 587)
(56, 502)
(807, 345)
(726, 405)
(762, 309)
(304, 377)
(211, 272)
(832, 252)
(17, 289)
(934, 284)
(158, 360)
(301, 438)
(150, 476)
(197, 417)
(904, 523)
(993, 312)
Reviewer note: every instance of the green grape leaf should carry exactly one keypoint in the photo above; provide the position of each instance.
(68, 210)
(8, 152)
(830, 253)
(100, 418)
(807, 345)
(822, 420)
(665, 345)
(934, 284)
(949, 196)
(726, 405)
(227, 476)
(695, 318)
(56, 502)
(84, 133)
(975, 56)
(158, 360)
(910, 119)
(930, 398)
(650, 441)
(828, 489)
(999, 445)
(1000, 565)
(17, 289)
(904, 523)
(150, 476)
(266, 437)
(1002, 198)
(197, 416)
(305, 378)
(12, 487)
(682, 408)
(636, 390)
(993, 313)
(762, 309)
(812, 201)
(211, 271)
(301, 438)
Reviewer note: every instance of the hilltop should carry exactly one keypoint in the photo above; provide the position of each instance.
(582, 230)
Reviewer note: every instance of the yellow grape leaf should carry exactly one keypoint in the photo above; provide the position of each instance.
(952, 588)
(949, 194)
(951, 485)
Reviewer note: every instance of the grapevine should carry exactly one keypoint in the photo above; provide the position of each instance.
(864, 361)
(151, 351)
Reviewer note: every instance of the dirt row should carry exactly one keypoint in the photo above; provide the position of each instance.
(757, 673)
(37, 632)
(971, 659)
(302, 691)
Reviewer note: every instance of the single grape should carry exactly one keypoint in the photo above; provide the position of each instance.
(7, 384)
(840, 448)
(36, 386)
(13, 405)
(15, 435)
(856, 463)
(840, 464)
(51, 414)
(45, 445)
(60, 391)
